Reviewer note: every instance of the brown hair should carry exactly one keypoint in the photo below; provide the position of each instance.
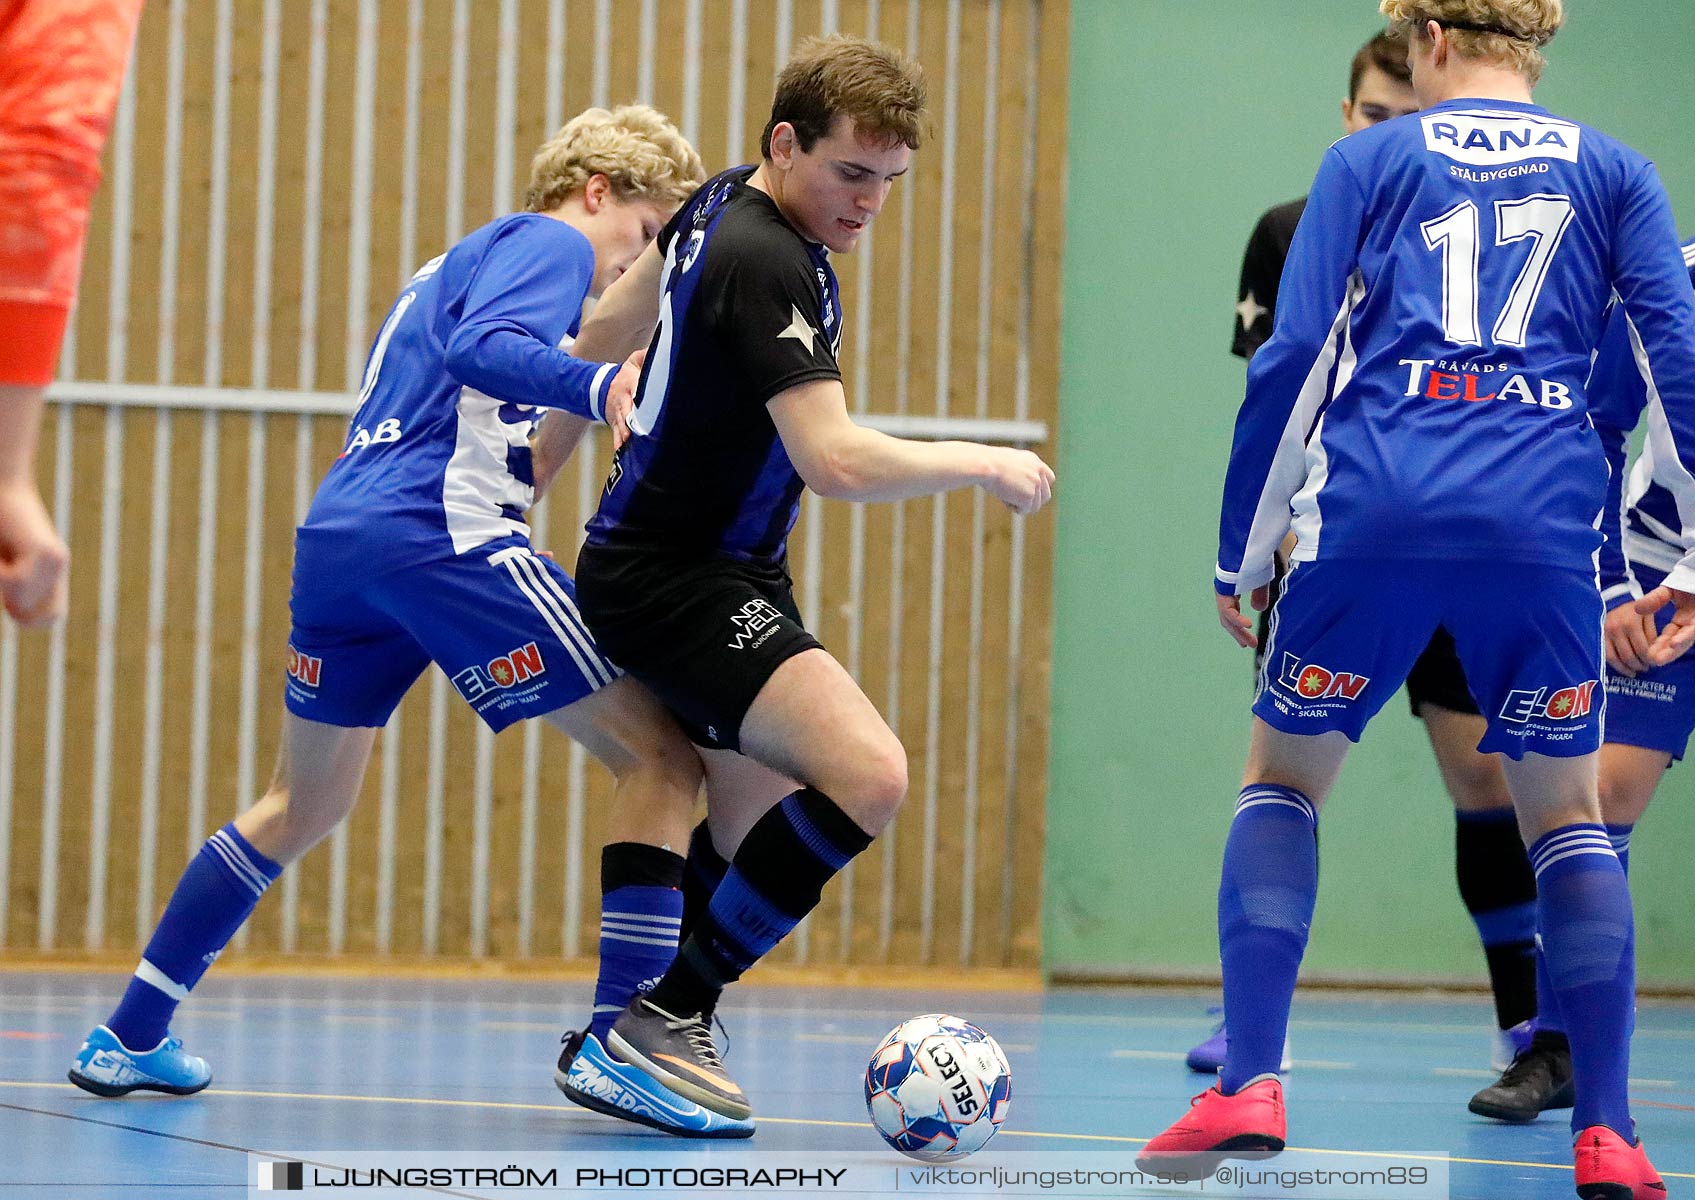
(1513, 33)
(636, 147)
(876, 86)
(1388, 53)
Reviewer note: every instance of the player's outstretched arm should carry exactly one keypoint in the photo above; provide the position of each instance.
(844, 461)
(623, 318)
(33, 559)
(505, 342)
(552, 446)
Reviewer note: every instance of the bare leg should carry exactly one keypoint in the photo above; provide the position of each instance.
(1309, 764)
(319, 772)
(657, 770)
(812, 723)
(1475, 781)
(1629, 775)
(738, 792)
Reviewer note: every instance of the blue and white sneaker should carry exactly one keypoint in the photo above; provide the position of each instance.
(106, 1067)
(1208, 1057)
(591, 1077)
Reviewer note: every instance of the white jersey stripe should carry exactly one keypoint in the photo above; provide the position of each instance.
(597, 398)
(1670, 470)
(1290, 465)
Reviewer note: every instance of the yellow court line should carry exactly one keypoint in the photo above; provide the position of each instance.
(507, 1105)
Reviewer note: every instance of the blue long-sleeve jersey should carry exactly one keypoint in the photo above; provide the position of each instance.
(1423, 395)
(437, 460)
(1641, 520)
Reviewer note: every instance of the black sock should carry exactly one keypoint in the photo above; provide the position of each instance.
(776, 878)
(703, 871)
(636, 864)
(1499, 890)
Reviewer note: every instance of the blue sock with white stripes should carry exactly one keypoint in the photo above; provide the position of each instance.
(641, 909)
(1548, 1016)
(776, 878)
(1588, 938)
(215, 895)
(1265, 903)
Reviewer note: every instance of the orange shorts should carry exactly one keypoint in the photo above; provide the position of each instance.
(61, 66)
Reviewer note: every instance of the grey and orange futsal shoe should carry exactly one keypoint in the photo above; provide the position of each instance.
(678, 1051)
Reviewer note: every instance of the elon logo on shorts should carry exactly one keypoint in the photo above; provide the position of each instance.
(304, 668)
(518, 666)
(1566, 704)
(750, 620)
(1309, 681)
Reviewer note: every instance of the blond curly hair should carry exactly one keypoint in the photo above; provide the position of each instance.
(1518, 29)
(635, 146)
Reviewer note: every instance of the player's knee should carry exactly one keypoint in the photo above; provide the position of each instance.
(880, 783)
(295, 823)
(1623, 799)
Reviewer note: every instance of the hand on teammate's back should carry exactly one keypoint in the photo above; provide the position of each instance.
(621, 397)
(1020, 480)
(33, 560)
(1679, 634)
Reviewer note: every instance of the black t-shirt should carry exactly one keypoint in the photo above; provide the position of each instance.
(750, 309)
(1262, 269)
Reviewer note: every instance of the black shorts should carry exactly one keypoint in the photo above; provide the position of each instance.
(1437, 678)
(703, 634)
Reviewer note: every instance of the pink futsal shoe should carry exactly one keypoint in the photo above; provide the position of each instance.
(1249, 1124)
(1610, 1168)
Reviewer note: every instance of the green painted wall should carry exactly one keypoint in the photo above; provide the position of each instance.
(1188, 120)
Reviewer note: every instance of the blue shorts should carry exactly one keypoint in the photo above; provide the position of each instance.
(1345, 633)
(500, 621)
(1656, 710)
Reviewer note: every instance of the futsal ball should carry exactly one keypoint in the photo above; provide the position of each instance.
(937, 1088)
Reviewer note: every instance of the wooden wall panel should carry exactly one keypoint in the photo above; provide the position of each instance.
(919, 295)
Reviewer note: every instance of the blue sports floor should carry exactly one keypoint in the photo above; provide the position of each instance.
(332, 1063)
